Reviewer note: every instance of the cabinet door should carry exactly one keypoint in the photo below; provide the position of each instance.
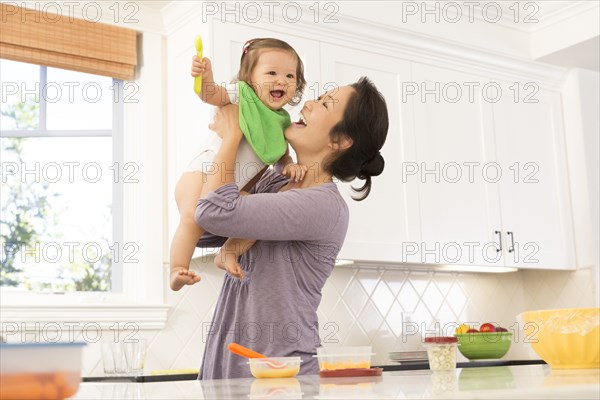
(454, 151)
(389, 217)
(534, 194)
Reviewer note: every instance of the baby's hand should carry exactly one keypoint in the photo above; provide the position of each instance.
(181, 277)
(295, 171)
(201, 67)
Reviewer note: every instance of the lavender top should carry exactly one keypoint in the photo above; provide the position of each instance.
(273, 309)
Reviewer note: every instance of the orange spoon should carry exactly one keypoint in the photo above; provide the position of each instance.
(247, 353)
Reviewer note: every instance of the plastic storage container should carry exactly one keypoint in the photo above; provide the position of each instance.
(39, 370)
(336, 358)
(275, 367)
(441, 352)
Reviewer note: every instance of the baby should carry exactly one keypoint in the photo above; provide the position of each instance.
(271, 75)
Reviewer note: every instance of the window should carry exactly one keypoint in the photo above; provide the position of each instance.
(62, 171)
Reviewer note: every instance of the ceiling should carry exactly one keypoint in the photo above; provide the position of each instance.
(581, 55)
(156, 4)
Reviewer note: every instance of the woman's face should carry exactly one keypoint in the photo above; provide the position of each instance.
(274, 77)
(310, 135)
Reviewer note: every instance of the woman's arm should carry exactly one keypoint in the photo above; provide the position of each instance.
(300, 214)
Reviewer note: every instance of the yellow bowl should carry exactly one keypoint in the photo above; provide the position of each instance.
(564, 338)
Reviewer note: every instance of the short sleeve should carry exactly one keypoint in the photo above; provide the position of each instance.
(233, 92)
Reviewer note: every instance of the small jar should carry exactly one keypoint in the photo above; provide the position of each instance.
(441, 352)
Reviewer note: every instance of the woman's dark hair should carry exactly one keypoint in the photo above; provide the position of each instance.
(365, 121)
(251, 53)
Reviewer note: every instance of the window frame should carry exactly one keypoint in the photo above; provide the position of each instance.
(116, 133)
(138, 301)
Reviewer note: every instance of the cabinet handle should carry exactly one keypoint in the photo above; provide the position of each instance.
(512, 242)
(499, 249)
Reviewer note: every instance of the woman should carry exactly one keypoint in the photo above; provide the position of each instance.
(299, 227)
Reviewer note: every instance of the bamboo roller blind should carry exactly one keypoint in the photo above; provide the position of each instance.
(61, 41)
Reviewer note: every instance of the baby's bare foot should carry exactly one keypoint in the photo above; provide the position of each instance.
(182, 277)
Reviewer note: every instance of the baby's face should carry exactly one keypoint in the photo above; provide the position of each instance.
(274, 78)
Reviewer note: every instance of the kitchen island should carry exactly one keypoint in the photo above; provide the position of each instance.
(500, 382)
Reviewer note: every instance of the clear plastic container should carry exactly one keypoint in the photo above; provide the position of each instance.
(40, 370)
(336, 358)
(441, 353)
(275, 367)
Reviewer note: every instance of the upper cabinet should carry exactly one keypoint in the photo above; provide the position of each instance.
(534, 191)
(380, 224)
(492, 173)
(453, 129)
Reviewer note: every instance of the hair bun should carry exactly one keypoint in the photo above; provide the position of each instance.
(374, 166)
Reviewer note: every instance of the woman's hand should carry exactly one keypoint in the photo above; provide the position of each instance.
(226, 123)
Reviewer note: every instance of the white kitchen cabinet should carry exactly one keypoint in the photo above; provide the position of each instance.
(453, 127)
(516, 197)
(380, 224)
(534, 191)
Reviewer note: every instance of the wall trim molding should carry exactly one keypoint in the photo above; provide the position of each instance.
(558, 16)
(78, 317)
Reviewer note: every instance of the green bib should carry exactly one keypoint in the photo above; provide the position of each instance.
(262, 127)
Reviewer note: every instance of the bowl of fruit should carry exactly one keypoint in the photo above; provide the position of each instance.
(489, 342)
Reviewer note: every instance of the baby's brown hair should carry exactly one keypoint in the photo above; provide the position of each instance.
(251, 54)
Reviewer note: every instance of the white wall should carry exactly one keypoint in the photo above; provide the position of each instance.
(589, 84)
(581, 101)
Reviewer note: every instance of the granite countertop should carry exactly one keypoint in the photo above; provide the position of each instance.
(498, 382)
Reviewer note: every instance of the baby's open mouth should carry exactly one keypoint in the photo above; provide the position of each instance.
(277, 94)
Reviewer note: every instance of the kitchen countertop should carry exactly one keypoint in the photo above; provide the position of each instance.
(499, 382)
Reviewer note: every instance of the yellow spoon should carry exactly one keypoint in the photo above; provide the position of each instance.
(198, 79)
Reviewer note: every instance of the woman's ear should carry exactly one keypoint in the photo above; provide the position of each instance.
(342, 142)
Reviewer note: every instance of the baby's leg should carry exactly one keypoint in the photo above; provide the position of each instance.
(187, 193)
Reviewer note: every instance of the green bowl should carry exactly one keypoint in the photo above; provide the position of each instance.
(484, 345)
